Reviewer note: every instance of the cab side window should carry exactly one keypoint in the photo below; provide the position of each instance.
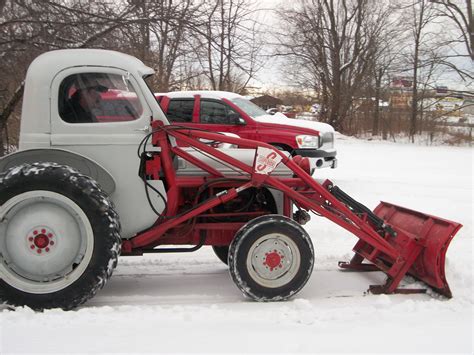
(180, 111)
(98, 98)
(213, 112)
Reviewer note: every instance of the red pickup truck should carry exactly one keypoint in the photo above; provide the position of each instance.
(228, 112)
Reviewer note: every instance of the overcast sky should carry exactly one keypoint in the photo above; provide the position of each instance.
(270, 75)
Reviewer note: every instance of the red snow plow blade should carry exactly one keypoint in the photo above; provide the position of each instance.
(422, 241)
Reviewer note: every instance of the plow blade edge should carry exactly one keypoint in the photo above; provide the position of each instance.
(431, 235)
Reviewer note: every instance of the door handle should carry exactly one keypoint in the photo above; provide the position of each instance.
(145, 129)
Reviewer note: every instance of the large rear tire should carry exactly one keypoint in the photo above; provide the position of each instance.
(59, 236)
(271, 258)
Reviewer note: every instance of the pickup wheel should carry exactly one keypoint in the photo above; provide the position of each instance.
(59, 236)
(222, 252)
(271, 258)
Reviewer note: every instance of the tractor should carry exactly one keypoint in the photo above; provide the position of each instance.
(81, 191)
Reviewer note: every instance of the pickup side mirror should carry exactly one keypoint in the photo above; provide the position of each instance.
(241, 122)
(234, 118)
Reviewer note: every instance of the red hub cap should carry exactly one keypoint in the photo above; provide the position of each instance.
(41, 241)
(273, 260)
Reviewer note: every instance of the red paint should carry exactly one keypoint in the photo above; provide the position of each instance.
(41, 241)
(268, 161)
(273, 260)
(196, 108)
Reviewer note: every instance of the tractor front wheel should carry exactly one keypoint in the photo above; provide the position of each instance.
(271, 258)
(59, 236)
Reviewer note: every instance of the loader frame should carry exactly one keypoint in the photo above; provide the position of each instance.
(386, 246)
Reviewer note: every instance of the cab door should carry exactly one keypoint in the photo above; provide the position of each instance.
(112, 143)
(217, 116)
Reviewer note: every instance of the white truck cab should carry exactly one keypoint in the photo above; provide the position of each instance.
(112, 146)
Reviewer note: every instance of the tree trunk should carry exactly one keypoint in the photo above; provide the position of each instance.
(376, 120)
(7, 111)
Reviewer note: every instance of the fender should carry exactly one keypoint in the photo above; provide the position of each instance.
(64, 157)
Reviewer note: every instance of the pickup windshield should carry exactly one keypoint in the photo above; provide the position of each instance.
(248, 107)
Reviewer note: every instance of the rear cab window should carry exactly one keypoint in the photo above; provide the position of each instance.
(98, 98)
(180, 110)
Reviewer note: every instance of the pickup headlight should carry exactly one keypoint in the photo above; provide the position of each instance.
(305, 141)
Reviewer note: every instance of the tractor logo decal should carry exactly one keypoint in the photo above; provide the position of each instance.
(266, 160)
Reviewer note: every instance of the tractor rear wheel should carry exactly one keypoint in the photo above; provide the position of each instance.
(59, 236)
(271, 258)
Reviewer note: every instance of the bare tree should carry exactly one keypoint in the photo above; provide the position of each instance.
(427, 53)
(164, 38)
(463, 19)
(229, 46)
(334, 41)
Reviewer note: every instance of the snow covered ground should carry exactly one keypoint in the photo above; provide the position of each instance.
(188, 303)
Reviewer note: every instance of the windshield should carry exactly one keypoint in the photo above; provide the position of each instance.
(149, 83)
(248, 107)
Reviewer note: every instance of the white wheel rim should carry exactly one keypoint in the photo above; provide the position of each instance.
(273, 260)
(46, 242)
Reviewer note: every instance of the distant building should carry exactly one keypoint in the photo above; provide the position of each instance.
(400, 101)
(267, 101)
(401, 82)
(445, 105)
(441, 90)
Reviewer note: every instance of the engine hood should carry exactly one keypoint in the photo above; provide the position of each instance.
(283, 120)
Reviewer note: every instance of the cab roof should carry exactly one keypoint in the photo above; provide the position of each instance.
(207, 94)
